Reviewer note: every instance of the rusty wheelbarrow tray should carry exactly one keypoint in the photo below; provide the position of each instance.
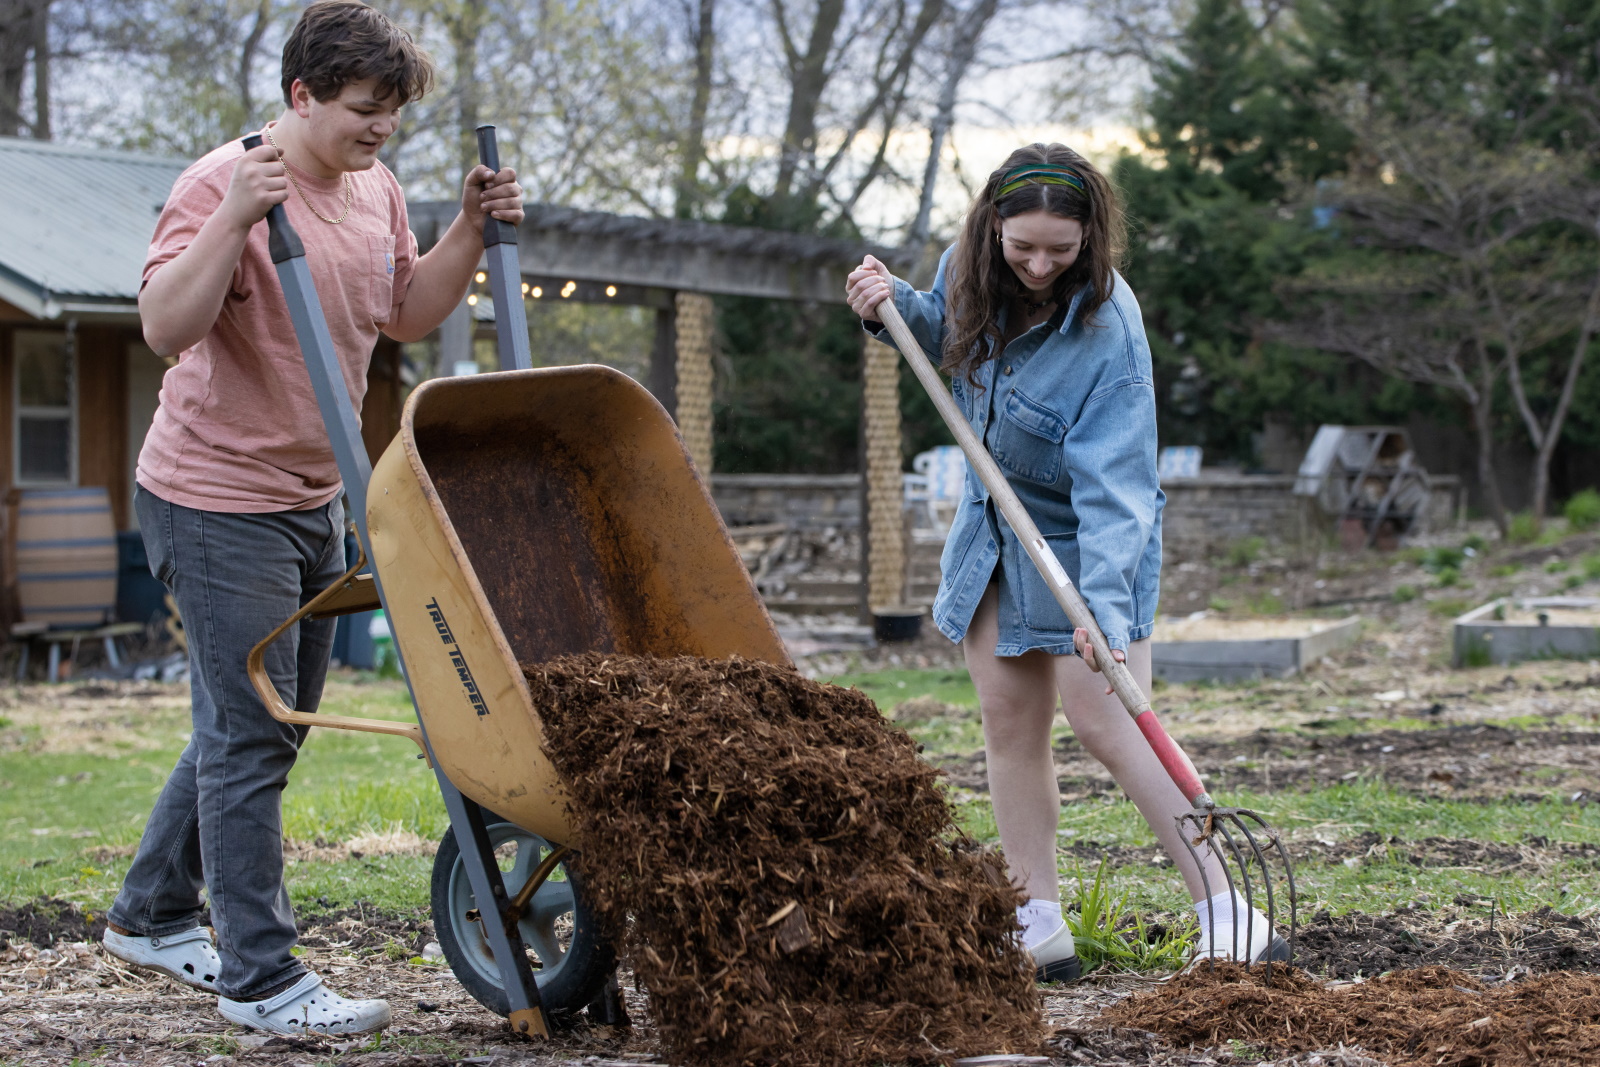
(520, 516)
(517, 516)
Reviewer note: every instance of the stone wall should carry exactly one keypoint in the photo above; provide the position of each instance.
(804, 500)
(1203, 516)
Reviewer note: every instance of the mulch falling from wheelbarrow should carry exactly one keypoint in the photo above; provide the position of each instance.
(1431, 1016)
(798, 890)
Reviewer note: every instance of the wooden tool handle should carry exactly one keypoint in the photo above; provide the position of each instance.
(1177, 764)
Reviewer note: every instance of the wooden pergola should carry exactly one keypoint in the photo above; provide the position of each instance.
(677, 267)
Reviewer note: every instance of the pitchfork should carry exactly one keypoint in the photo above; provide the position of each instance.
(1239, 839)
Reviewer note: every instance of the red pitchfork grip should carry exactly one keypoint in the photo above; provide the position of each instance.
(1177, 763)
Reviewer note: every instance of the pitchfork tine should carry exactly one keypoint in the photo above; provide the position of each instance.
(1205, 879)
(1288, 873)
(1221, 825)
(1266, 881)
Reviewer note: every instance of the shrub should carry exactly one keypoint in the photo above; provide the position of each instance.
(1504, 570)
(1555, 566)
(1447, 576)
(1438, 560)
(1583, 510)
(1244, 551)
(1591, 566)
(1474, 542)
(1573, 581)
(1448, 608)
(1403, 594)
(1522, 530)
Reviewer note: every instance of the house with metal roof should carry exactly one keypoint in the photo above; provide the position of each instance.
(78, 385)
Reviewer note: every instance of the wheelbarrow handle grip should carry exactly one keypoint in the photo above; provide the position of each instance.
(495, 231)
(282, 242)
(1177, 764)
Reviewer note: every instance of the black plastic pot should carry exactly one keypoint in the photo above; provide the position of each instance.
(896, 624)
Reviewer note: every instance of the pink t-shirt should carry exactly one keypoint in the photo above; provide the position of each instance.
(238, 427)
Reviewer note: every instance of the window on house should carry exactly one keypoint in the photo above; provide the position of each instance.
(43, 431)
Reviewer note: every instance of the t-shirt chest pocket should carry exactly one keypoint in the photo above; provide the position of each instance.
(1028, 443)
(380, 267)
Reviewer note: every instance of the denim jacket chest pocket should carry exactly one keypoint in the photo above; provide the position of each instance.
(1028, 440)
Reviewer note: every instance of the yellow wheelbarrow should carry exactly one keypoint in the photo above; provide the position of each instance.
(516, 517)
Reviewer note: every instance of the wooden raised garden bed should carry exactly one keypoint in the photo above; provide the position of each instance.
(1510, 630)
(1199, 649)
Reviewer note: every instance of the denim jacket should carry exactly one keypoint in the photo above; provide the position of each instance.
(1068, 412)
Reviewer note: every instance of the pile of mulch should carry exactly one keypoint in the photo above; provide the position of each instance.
(780, 867)
(1431, 1016)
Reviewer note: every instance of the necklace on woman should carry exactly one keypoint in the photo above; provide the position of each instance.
(349, 188)
(1034, 306)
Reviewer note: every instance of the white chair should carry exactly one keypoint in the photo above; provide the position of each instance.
(1178, 461)
(936, 487)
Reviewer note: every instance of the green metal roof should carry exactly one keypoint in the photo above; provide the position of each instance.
(59, 257)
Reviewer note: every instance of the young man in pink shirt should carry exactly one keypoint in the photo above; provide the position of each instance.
(238, 492)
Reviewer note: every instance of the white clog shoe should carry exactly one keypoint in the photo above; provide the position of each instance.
(307, 1007)
(188, 956)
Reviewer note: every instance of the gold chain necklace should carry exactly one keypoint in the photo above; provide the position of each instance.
(349, 188)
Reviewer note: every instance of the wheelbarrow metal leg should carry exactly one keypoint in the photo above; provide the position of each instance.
(477, 856)
(607, 1009)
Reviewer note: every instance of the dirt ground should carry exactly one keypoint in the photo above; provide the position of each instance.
(63, 1004)
(1493, 736)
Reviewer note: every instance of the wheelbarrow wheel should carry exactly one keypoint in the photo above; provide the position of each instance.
(570, 961)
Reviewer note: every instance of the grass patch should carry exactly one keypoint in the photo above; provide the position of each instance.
(68, 820)
(1448, 607)
(1108, 933)
(888, 688)
(1342, 812)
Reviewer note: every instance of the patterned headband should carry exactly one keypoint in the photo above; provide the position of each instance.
(1038, 174)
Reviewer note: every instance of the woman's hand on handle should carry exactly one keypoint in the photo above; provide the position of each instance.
(868, 286)
(1080, 641)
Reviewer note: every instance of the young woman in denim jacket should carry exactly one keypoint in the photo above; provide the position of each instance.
(1048, 360)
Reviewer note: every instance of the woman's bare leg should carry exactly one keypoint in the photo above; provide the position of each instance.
(1017, 696)
(1106, 730)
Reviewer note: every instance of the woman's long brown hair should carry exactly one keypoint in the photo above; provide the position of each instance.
(979, 282)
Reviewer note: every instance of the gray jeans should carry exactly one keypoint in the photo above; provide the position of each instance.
(218, 822)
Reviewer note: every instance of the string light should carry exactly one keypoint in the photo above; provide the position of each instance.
(537, 292)
(472, 300)
(480, 277)
(568, 289)
(611, 290)
(524, 288)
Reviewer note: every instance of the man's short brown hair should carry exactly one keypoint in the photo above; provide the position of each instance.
(337, 42)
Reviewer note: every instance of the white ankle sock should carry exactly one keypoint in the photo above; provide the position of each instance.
(1039, 919)
(1221, 906)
